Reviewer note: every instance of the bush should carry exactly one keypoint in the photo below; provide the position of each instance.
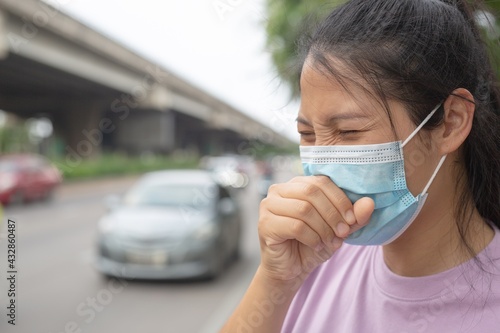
(118, 164)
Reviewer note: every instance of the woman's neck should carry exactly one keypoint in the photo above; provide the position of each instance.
(433, 243)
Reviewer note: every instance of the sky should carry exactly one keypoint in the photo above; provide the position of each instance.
(218, 45)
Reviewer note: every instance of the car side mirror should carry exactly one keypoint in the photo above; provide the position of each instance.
(112, 202)
(227, 206)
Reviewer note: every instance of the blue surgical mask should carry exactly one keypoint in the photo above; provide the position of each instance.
(376, 171)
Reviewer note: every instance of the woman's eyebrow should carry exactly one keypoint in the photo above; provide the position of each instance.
(303, 121)
(335, 118)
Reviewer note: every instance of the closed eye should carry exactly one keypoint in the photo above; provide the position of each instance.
(346, 132)
(306, 133)
(307, 137)
(350, 135)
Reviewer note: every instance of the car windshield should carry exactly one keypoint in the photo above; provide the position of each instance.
(192, 196)
(8, 166)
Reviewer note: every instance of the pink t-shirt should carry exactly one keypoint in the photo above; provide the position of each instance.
(356, 292)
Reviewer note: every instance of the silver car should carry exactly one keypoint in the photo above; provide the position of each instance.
(170, 225)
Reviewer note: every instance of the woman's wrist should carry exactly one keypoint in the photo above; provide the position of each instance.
(264, 306)
(286, 286)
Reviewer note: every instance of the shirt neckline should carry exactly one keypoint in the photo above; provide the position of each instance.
(454, 280)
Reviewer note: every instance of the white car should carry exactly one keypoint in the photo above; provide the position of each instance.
(170, 225)
(229, 170)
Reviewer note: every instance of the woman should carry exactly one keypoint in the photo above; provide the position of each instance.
(395, 227)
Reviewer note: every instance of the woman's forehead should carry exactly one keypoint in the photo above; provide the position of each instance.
(325, 96)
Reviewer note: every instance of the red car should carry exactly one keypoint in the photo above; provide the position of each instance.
(27, 177)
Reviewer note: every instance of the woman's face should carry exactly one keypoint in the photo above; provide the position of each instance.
(329, 115)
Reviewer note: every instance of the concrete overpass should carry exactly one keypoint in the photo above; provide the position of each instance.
(100, 94)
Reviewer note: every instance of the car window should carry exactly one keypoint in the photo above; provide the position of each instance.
(33, 165)
(8, 166)
(40, 163)
(170, 196)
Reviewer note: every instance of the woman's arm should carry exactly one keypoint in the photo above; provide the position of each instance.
(263, 307)
(301, 224)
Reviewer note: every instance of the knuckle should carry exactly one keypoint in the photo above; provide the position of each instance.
(304, 234)
(323, 180)
(264, 212)
(342, 200)
(296, 179)
(304, 208)
(273, 189)
(298, 227)
(310, 190)
(264, 203)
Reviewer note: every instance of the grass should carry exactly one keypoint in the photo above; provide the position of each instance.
(118, 164)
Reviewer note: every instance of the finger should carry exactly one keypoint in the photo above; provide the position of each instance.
(307, 190)
(363, 210)
(276, 230)
(336, 197)
(306, 212)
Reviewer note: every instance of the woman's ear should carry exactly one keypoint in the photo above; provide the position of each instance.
(459, 110)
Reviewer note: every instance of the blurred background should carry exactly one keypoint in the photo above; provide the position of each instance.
(137, 139)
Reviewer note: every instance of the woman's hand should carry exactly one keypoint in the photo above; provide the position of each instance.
(303, 222)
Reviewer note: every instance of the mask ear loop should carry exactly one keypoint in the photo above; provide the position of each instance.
(434, 174)
(422, 124)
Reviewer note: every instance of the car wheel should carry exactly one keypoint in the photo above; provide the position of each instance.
(216, 262)
(236, 254)
(106, 278)
(48, 195)
(17, 198)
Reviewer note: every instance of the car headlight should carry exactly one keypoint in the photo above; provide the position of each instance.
(206, 231)
(7, 182)
(106, 226)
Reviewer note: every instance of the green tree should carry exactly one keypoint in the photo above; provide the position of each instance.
(494, 5)
(14, 139)
(287, 20)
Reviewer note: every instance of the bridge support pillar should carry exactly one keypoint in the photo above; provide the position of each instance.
(81, 126)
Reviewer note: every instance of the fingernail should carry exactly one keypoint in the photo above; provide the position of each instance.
(350, 218)
(324, 255)
(342, 229)
(337, 242)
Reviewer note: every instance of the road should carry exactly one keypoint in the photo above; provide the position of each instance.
(59, 291)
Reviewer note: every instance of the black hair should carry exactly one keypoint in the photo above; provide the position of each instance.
(417, 52)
